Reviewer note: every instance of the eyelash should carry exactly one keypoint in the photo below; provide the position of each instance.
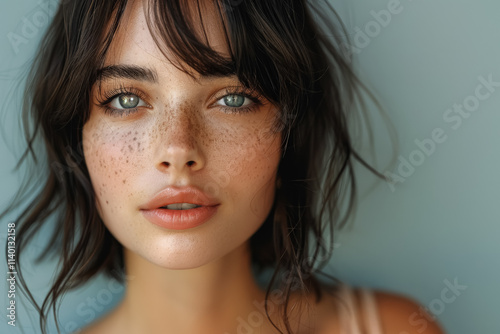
(108, 97)
(247, 93)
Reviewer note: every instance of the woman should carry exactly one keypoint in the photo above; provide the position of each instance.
(189, 141)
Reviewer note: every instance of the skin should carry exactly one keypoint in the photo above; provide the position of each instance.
(131, 158)
(197, 280)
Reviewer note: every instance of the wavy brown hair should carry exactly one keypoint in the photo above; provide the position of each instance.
(276, 48)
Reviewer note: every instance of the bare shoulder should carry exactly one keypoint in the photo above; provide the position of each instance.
(401, 314)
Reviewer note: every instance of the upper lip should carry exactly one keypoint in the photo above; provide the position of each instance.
(172, 195)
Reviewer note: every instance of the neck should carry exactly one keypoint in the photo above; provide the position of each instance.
(214, 298)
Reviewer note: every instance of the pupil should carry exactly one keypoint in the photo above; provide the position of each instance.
(129, 101)
(234, 100)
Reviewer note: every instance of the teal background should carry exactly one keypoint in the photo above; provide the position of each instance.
(441, 224)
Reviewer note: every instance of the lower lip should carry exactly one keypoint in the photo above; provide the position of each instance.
(180, 219)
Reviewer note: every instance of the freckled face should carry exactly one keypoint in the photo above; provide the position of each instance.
(147, 133)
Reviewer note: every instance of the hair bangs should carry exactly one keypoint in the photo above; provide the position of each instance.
(179, 28)
(259, 46)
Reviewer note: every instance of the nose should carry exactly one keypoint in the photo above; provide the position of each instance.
(179, 149)
(177, 159)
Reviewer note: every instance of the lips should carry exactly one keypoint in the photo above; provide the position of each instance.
(187, 208)
(172, 195)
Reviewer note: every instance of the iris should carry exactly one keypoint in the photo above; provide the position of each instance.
(235, 101)
(128, 101)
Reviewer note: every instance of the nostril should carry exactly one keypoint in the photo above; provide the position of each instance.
(189, 163)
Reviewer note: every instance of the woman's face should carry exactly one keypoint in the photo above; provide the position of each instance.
(153, 127)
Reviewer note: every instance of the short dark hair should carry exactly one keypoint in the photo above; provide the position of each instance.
(276, 48)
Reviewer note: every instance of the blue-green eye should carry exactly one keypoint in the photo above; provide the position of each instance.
(234, 101)
(127, 101)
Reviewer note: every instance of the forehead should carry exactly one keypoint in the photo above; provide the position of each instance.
(138, 38)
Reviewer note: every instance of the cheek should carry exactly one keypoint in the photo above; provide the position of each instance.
(262, 175)
(242, 160)
(111, 158)
(247, 173)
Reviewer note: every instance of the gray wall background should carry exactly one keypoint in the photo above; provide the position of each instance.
(438, 224)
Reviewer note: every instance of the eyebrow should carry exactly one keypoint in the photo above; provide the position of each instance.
(145, 74)
(127, 72)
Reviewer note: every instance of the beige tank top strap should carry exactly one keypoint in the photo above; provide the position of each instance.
(371, 316)
(348, 314)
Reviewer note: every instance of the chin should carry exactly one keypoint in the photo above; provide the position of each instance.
(181, 260)
(180, 251)
(190, 248)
